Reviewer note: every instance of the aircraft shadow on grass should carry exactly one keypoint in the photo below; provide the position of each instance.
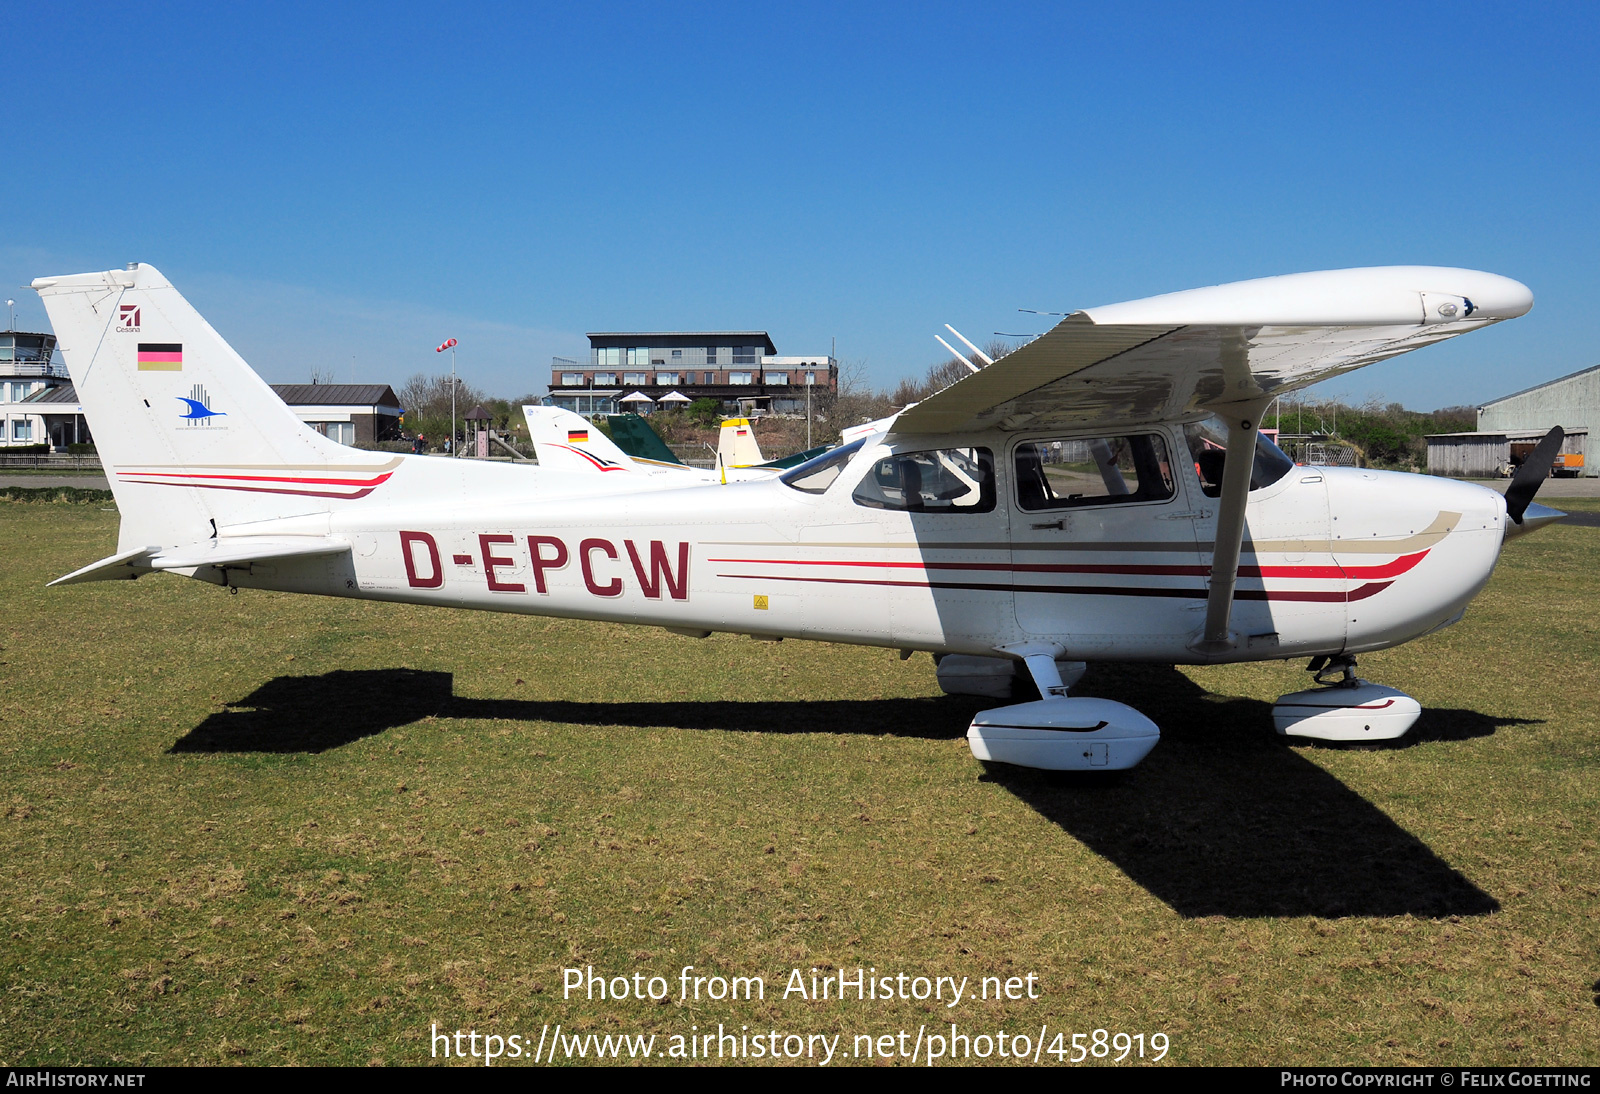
(1221, 819)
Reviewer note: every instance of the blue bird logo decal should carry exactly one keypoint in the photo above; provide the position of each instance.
(195, 407)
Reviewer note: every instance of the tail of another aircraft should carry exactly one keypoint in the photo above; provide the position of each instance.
(564, 441)
(191, 438)
(736, 444)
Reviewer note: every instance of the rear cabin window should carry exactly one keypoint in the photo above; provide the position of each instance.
(1081, 471)
(947, 480)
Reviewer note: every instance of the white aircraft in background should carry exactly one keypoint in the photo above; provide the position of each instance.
(564, 441)
(1101, 493)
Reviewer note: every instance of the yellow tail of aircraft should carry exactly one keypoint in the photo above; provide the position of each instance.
(736, 446)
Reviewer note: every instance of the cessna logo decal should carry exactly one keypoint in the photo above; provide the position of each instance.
(128, 319)
(599, 561)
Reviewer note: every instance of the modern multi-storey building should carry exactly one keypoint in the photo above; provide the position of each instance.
(37, 403)
(643, 371)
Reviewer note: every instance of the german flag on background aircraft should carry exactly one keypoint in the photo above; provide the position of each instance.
(577, 436)
(160, 356)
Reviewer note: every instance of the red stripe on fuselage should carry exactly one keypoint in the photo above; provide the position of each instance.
(256, 478)
(257, 489)
(1387, 569)
(1330, 596)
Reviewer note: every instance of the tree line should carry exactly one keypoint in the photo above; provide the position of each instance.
(426, 402)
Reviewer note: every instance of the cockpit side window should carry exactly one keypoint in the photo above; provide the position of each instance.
(1208, 445)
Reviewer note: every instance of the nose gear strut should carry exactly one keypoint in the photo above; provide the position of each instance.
(1325, 667)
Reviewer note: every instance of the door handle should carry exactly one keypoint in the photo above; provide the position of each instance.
(1058, 525)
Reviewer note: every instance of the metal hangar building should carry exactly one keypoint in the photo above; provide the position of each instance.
(1510, 425)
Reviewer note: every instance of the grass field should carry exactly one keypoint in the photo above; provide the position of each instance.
(266, 829)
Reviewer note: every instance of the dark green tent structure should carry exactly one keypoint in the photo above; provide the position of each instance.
(634, 436)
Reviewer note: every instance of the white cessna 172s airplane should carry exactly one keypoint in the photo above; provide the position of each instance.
(1101, 493)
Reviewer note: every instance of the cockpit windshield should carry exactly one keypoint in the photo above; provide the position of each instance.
(816, 475)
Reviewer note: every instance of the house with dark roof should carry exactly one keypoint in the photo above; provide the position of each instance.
(38, 404)
(347, 413)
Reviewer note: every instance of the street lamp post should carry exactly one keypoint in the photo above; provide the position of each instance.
(811, 379)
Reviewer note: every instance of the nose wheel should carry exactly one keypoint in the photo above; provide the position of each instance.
(1344, 707)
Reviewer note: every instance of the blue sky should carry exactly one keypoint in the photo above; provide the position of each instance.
(348, 185)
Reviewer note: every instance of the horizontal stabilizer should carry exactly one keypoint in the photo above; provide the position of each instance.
(795, 460)
(233, 551)
(122, 566)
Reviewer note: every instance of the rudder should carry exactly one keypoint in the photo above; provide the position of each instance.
(190, 437)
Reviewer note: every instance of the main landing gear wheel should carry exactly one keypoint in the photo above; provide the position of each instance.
(1345, 708)
(1059, 732)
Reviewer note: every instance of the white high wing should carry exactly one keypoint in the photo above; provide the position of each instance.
(1102, 493)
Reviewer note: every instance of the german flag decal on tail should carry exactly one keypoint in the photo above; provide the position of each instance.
(160, 356)
(577, 436)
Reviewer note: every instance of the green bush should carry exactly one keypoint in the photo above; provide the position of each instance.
(70, 495)
(705, 412)
(1390, 436)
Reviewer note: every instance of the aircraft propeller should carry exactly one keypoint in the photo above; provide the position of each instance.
(1531, 475)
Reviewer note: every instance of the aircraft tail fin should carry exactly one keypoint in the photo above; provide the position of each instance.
(564, 441)
(190, 437)
(736, 444)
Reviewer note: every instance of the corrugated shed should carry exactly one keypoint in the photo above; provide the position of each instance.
(1571, 401)
(1485, 453)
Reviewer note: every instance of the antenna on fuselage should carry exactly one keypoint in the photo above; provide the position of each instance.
(976, 351)
(955, 354)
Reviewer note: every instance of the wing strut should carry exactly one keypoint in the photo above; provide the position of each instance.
(1242, 419)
